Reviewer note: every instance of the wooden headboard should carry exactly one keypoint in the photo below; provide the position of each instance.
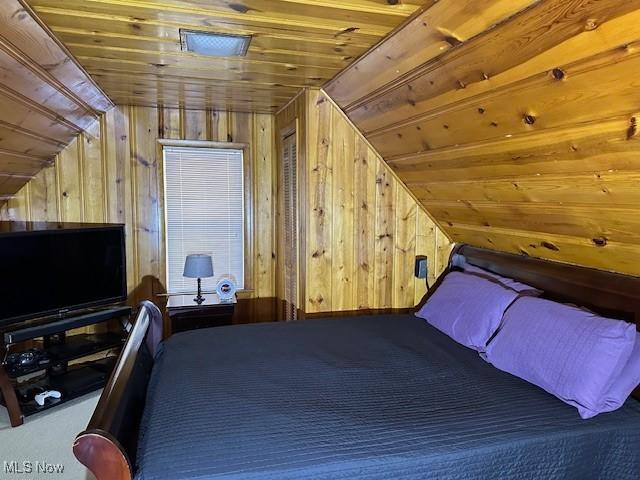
(607, 293)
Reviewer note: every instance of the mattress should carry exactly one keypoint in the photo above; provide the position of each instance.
(380, 397)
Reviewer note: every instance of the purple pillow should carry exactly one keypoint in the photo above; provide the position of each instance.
(504, 281)
(569, 352)
(626, 382)
(467, 308)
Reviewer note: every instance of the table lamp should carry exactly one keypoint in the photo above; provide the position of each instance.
(198, 266)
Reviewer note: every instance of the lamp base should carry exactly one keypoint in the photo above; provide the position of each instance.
(199, 298)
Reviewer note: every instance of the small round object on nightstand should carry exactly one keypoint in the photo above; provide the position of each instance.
(226, 289)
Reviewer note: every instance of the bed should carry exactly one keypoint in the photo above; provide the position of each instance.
(371, 397)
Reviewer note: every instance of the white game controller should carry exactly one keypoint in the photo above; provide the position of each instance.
(41, 397)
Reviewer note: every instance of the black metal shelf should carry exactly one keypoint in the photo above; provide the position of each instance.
(78, 380)
(85, 344)
(75, 346)
(54, 351)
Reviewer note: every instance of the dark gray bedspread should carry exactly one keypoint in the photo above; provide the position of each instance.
(384, 397)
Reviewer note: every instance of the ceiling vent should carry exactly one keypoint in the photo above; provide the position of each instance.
(214, 44)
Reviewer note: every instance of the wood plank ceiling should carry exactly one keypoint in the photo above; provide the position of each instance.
(514, 122)
(132, 47)
(46, 99)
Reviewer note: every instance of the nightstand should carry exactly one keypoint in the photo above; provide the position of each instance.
(185, 314)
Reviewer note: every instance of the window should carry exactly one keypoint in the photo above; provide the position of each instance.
(204, 213)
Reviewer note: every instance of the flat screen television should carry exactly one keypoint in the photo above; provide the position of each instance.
(46, 271)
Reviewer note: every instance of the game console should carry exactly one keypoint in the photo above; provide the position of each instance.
(19, 363)
(41, 397)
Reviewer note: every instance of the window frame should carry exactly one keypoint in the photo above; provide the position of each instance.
(249, 241)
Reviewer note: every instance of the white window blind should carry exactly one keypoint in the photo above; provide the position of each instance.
(204, 213)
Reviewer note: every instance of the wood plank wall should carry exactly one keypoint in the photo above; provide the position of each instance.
(517, 126)
(46, 98)
(113, 173)
(363, 228)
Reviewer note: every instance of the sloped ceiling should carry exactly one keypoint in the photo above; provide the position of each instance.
(132, 47)
(46, 99)
(515, 123)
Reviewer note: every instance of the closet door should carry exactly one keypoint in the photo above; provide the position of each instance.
(290, 226)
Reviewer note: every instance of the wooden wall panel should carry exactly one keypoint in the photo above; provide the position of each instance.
(404, 249)
(320, 211)
(42, 195)
(93, 164)
(113, 173)
(384, 236)
(363, 227)
(364, 179)
(342, 194)
(427, 245)
(263, 145)
(524, 137)
(46, 99)
(70, 179)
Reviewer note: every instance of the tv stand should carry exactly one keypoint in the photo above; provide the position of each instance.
(56, 349)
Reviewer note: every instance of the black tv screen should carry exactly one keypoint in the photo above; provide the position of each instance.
(50, 271)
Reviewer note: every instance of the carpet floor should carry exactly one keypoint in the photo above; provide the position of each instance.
(46, 437)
